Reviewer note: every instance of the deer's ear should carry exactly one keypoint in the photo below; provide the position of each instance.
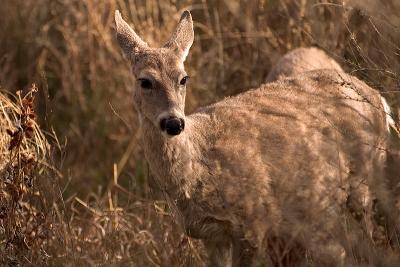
(182, 38)
(128, 40)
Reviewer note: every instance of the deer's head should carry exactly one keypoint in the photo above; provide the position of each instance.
(161, 79)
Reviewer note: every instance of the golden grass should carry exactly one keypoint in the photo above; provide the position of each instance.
(23, 159)
(99, 206)
(39, 227)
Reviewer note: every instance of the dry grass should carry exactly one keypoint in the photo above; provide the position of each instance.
(91, 186)
(39, 227)
(23, 148)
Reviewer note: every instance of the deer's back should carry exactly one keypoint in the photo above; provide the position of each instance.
(301, 60)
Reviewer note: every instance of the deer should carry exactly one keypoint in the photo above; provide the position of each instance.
(272, 171)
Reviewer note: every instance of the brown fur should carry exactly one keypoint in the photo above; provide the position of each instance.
(301, 60)
(275, 169)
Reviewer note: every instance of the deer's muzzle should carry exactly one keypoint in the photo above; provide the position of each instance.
(172, 125)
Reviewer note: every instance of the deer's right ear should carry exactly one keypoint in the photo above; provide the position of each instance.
(128, 40)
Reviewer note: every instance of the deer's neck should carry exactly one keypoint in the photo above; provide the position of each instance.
(171, 160)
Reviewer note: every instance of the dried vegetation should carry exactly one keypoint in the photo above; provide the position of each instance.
(76, 192)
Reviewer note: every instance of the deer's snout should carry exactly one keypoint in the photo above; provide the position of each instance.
(172, 125)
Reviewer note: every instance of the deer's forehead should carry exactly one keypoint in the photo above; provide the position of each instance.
(159, 63)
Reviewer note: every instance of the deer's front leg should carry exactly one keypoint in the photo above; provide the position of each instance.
(216, 238)
(219, 252)
(242, 253)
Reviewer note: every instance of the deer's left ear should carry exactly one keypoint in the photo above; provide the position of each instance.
(183, 36)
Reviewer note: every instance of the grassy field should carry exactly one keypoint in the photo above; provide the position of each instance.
(75, 190)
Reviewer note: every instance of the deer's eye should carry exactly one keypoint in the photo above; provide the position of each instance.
(145, 83)
(184, 80)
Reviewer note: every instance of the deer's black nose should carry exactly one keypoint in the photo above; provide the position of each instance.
(172, 125)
